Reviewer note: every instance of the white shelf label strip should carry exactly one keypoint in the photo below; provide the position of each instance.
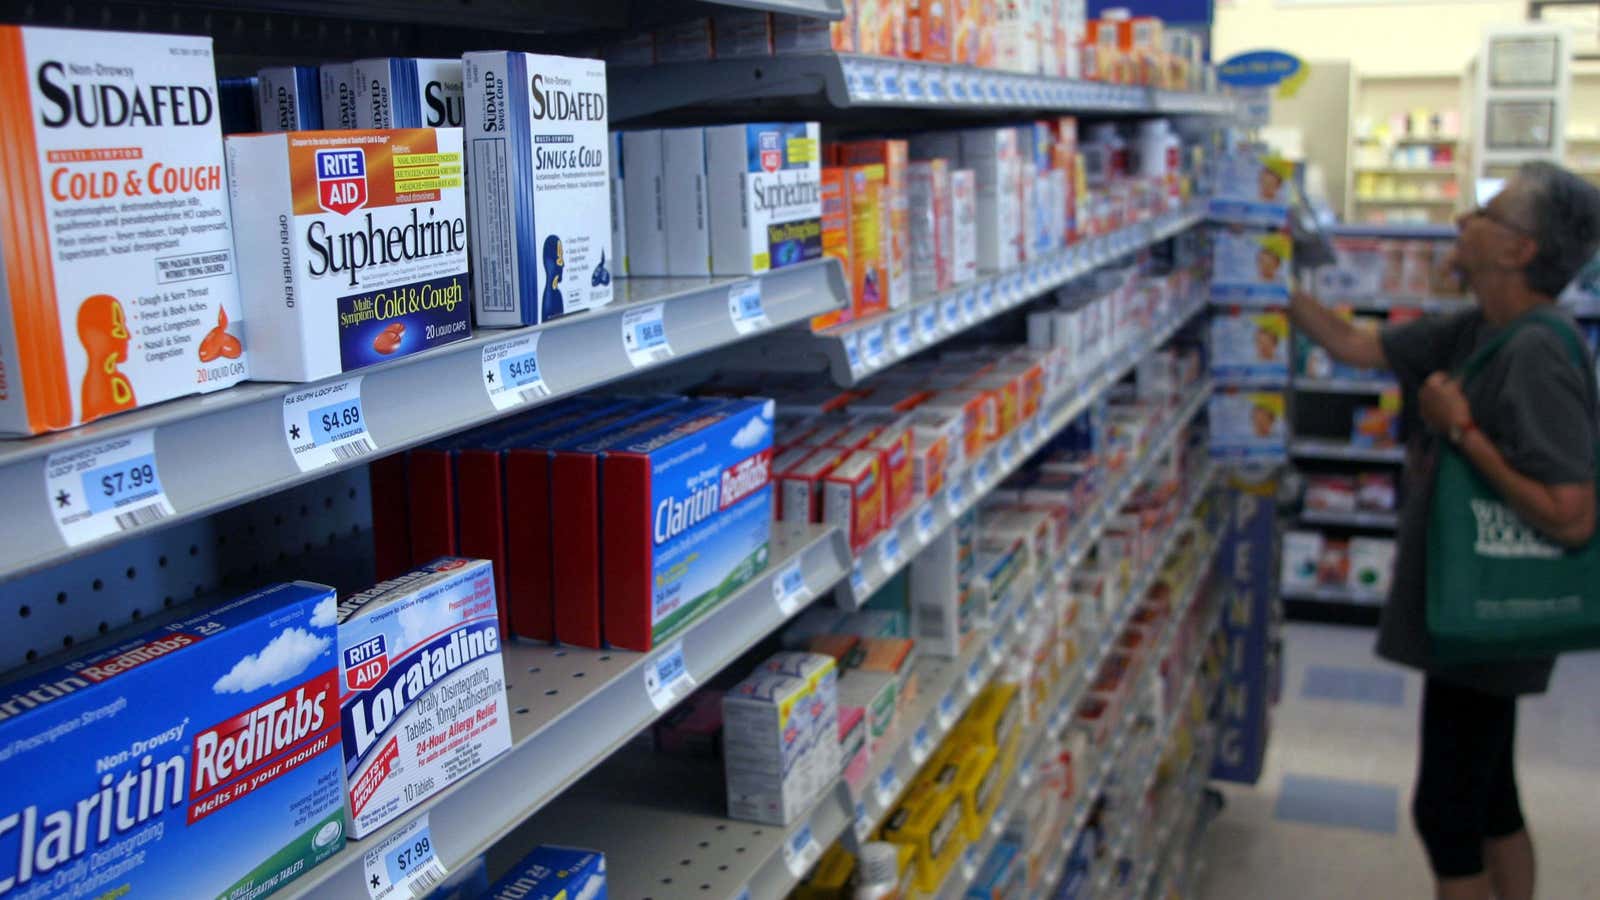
(644, 336)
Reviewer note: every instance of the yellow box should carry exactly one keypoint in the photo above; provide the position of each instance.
(973, 772)
(831, 879)
(929, 819)
(995, 717)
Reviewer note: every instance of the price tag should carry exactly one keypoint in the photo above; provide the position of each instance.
(667, 679)
(863, 822)
(870, 83)
(1009, 92)
(852, 351)
(958, 89)
(921, 745)
(902, 334)
(985, 470)
(1008, 451)
(928, 323)
(924, 523)
(969, 863)
(915, 90)
(936, 89)
(872, 346)
(992, 88)
(975, 676)
(1024, 775)
(789, 589)
(744, 307)
(997, 647)
(890, 79)
(955, 496)
(969, 303)
(986, 297)
(858, 580)
(105, 488)
(1030, 430)
(511, 372)
(325, 425)
(644, 336)
(947, 710)
(950, 309)
(801, 851)
(889, 551)
(888, 786)
(403, 865)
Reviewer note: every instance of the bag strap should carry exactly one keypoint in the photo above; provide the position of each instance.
(1545, 317)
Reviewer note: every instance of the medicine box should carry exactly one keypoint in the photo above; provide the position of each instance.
(422, 687)
(643, 191)
(541, 174)
(963, 226)
(764, 748)
(809, 34)
(408, 92)
(877, 695)
(820, 714)
(929, 818)
(290, 98)
(1251, 189)
(1301, 552)
(928, 31)
(893, 155)
(337, 85)
(853, 498)
(739, 34)
(993, 156)
(869, 270)
(931, 232)
(683, 187)
(1250, 344)
(1250, 267)
(554, 873)
(99, 314)
(214, 738)
(766, 195)
(1248, 425)
(352, 244)
(619, 208)
(836, 237)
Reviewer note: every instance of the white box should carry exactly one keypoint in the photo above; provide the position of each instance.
(820, 714)
(541, 182)
(344, 307)
(1371, 565)
(683, 194)
(338, 86)
(289, 98)
(963, 226)
(423, 689)
(940, 591)
(644, 189)
(408, 92)
(764, 756)
(112, 299)
(928, 183)
(1301, 552)
(619, 209)
(766, 195)
(992, 155)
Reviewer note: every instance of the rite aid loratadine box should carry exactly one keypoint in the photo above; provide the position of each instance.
(423, 701)
(196, 760)
(354, 246)
(119, 287)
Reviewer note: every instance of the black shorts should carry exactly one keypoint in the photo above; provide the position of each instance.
(1466, 785)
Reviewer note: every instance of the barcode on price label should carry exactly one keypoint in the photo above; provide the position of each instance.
(326, 425)
(105, 488)
(644, 336)
(744, 307)
(511, 372)
(404, 865)
(667, 679)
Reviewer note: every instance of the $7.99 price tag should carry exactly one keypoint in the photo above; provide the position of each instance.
(106, 487)
(403, 865)
(325, 425)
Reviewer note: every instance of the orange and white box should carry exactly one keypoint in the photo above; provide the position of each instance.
(928, 30)
(893, 443)
(853, 498)
(800, 489)
(116, 240)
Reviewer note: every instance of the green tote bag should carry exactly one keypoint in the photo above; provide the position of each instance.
(1498, 589)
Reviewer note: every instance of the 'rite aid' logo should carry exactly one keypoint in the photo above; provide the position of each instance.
(342, 180)
(770, 144)
(366, 663)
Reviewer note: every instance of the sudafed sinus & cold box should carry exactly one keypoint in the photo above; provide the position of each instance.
(214, 738)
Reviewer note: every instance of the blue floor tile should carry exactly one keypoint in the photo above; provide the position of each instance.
(1354, 685)
(1338, 803)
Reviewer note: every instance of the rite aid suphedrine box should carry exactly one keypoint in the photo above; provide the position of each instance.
(407, 92)
(423, 691)
(540, 167)
(354, 246)
(337, 83)
(119, 287)
(766, 195)
(196, 760)
(290, 98)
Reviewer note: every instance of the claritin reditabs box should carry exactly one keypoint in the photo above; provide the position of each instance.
(424, 701)
(199, 759)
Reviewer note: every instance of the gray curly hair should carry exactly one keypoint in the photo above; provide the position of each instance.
(1564, 214)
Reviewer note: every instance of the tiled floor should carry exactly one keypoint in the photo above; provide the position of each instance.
(1330, 818)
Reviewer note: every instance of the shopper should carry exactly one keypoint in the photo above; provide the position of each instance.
(1528, 423)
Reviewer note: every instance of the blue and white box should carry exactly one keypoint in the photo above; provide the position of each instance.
(766, 195)
(1250, 268)
(1251, 189)
(554, 873)
(424, 689)
(290, 98)
(683, 164)
(196, 760)
(408, 92)
(619, 209)
(337, 83)
(644, 195)
(539, 162)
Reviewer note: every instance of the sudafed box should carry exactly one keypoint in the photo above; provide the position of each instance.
(408, 92)
(539, 162)
(198, 759)
(290, 98)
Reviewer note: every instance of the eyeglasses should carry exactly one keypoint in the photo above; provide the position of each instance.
(1484, 212)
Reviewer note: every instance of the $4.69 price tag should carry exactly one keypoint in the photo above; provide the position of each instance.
(105, 488)
(403, 865)
(744, 307)
(511, 372)
(325, 425)
(644, 336)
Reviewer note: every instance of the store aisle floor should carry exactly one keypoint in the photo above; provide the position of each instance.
(1330, 818)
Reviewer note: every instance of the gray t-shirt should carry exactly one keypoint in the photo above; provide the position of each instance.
(1538, 408)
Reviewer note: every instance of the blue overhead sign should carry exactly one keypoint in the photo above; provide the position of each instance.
(1259, 68)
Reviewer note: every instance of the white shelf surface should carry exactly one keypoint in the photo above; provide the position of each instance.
(226, 448)
(845, 80)
(571, 708)
(1406, 170)
(1352, 519)
(1306, 384)
(1320, 448)
(857, 350)
(1407, 201)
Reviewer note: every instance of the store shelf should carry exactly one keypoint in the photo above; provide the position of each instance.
(1408, 231)
(1385, 303)
(1385, 520)
(226, 448)
(893, 550)
(1305, 384)
(1407, 201)
(1406, 170)
(858, 350)
(1316, 448)
(1409, 139)
(573, 707)
(1323, 594)
(845, 81)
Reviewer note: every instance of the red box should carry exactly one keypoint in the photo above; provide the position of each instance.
(391, 516)
(852, 498)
